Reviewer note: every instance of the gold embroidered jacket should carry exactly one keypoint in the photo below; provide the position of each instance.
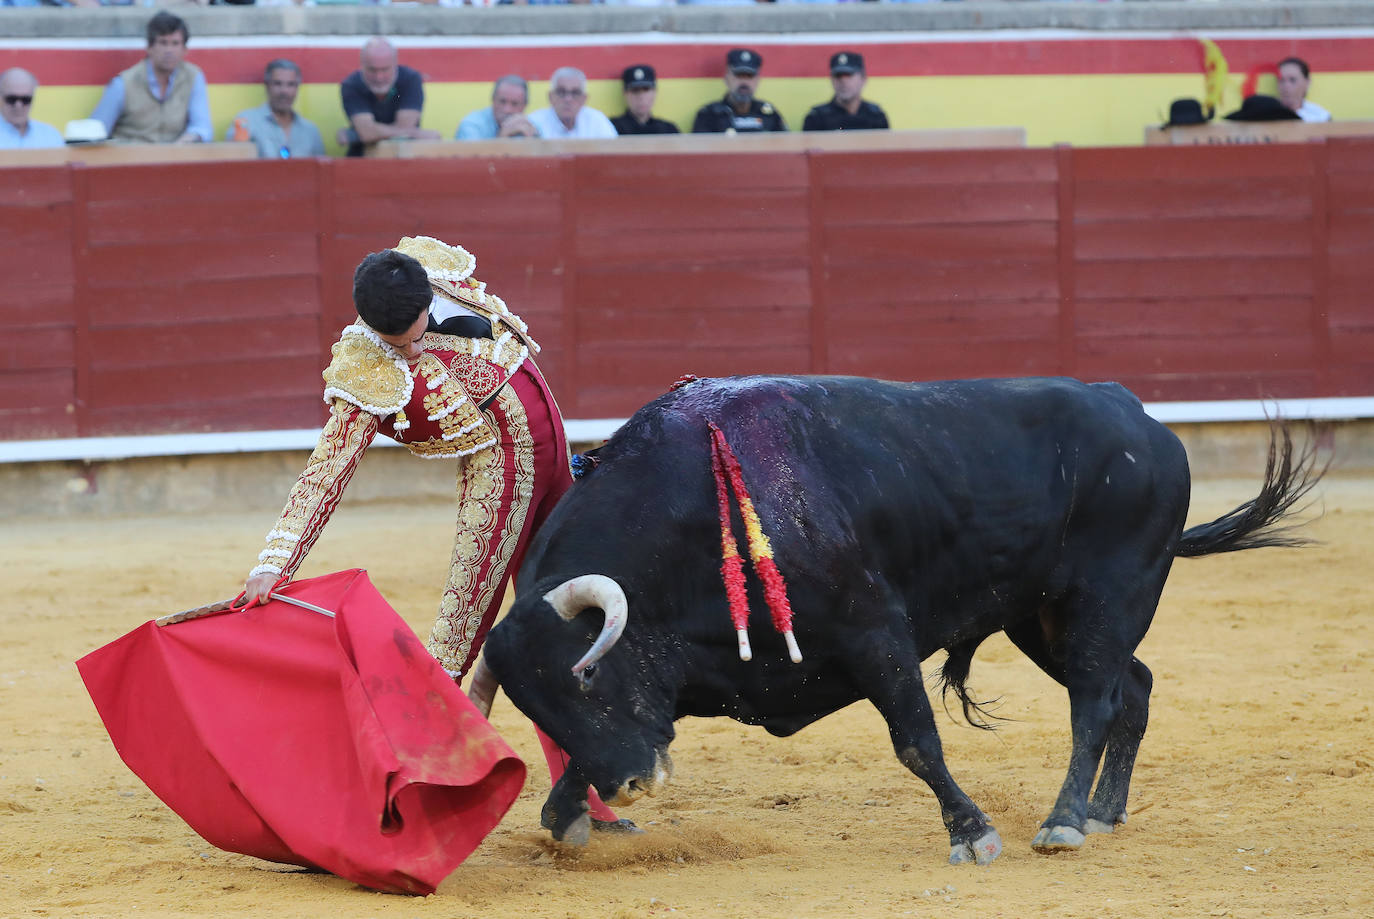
(433, 408)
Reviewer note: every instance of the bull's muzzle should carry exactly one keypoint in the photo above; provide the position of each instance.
(633, 789)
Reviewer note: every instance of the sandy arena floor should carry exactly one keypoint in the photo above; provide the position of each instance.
(1251, 798)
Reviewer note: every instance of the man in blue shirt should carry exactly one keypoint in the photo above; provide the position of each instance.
(162, 98)
(17, 130)
(505, 117)
(275, 126)
(382, 100)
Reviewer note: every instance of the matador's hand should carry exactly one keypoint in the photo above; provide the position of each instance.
(256, 588)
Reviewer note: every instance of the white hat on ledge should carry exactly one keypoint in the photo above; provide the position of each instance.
(85, 131)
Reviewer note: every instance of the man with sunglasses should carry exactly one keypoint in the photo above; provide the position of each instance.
(17, 130)
(568, 114)
(277, 129)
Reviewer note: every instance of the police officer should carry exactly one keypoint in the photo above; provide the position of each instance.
(739, 112)
(847, 110)
(641, 89)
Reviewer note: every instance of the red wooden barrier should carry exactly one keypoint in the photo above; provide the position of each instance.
(192, 297)
(37, 313)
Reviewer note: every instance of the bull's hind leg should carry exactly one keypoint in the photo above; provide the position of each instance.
(889, 674)
(1109, 707)
(1108, 806)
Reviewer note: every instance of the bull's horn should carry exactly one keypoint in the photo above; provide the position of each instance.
(571, 597)
(482, 689)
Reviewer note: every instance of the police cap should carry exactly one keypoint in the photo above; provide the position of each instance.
(639, 76)
(743, 60)
(842, 62)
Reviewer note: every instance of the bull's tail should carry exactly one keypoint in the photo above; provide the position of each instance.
(953, 680)
(1288, 478)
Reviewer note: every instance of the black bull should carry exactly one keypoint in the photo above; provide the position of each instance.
(905, 519)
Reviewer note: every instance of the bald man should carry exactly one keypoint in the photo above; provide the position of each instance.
(382, 100)
(17, 130)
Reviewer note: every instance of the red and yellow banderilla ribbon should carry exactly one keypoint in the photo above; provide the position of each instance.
(726, 467)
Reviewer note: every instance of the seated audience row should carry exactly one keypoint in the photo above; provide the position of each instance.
(738, 112)
(163, 99)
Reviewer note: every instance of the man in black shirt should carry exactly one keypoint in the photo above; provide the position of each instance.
(739, 112)
(382, 100)
(847, 111)
(641, 89)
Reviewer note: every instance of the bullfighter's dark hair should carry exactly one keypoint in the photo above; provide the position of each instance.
(165, 23)
(390, 291)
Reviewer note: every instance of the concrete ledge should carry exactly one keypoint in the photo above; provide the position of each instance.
(259, 481)
(594, 430)
(1165, 15)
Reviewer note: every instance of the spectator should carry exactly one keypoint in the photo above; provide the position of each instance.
(275, 126)
(568, 114)
(162, 98)
(1294, 78)
(641, 89)
(847, 110)
(739, 112)
(382, 100)
(505, 117)
(17, 131)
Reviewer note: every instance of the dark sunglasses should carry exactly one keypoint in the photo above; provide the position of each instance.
(19, 100)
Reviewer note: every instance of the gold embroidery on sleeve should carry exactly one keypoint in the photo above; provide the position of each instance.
(317, 491)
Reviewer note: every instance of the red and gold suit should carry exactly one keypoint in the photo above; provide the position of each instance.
(481, 401)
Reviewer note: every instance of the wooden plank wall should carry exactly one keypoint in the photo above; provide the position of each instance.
(684, 264)
(1198, 273)
(190, 297)
(198, 296)
(913, 254)
(38, 350)
(1349, 275)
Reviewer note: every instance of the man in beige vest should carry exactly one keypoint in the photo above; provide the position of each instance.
(161, 99)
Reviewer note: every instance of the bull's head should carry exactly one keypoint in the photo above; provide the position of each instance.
(610, 712)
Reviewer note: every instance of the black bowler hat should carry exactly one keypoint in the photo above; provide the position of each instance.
(1263, 108)
(1184, 112)
(639, 76)
(842, 62)
(743, 60)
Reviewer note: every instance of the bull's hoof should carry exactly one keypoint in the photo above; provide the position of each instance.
(981, 851)
(1053, 839)
(577, 833)
(1093, 825)
(574, 832)
(623, 826)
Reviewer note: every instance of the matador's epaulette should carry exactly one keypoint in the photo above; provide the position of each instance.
(366, 373)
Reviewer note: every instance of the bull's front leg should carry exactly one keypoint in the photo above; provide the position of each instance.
(891, 674)
(566, 812)
(971, 837)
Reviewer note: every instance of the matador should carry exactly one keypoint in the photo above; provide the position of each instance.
(438, 363)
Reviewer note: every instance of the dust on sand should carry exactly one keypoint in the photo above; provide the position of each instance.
(1252, 797)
